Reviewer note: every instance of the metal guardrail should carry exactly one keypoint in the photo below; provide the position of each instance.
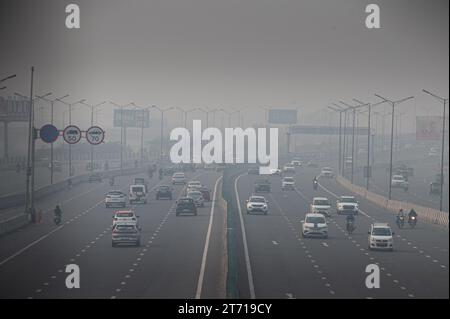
(426, 214)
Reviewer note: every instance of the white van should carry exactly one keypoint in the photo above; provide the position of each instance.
(137, 194)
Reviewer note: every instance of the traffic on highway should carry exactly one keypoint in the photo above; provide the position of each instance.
(220, 150)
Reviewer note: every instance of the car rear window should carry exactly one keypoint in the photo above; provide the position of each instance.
(115, 193)
(124, 215)
(257, 200)
(137, 189)
(185, 201)
(126, 228)
(288, 179)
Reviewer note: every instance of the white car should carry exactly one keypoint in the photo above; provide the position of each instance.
(289, 168)
(179, 178)
(327, 172)
(315, 225)
(137, 194)
(115, 198)
(347, 205)
(125, 216)
(193, 185)
(257, 204)
(197, 197)
(287, 182)
(321, 205)
(275, 171)
(381, 237)
(398, 181)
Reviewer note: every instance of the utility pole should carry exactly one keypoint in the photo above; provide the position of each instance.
(444, 102)
(393, 104)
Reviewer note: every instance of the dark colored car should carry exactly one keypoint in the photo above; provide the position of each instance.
(206, 193)
(95, 178)
(164, 192)
(186, 205)
(262, 185)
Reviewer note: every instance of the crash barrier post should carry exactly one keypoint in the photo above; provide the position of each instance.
(426, 214)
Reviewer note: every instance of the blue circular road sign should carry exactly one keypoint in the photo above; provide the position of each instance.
(49, 133)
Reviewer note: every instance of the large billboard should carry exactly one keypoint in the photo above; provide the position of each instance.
(285, 116)
(131, 118)
(428, 128)
(14, 110)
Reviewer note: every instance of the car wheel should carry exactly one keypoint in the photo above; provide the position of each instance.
(303, 235)
(107, 206)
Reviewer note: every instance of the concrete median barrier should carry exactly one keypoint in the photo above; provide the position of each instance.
(426, 214)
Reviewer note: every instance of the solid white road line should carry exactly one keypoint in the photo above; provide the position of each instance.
(198, 294)
(244, 240)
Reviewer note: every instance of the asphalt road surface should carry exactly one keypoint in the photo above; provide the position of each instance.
(185, 256)
(282, 264)
(170, 263)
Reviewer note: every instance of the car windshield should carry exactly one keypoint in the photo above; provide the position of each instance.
(348, 200)
(124, 215)
(178, 175)
(137, 189)
(326, 169)
(315, 220)
(322, 202)
(164, 188)
(288, 179)
(257, 200)
(126, 229)
(185, 201)
(381, 231)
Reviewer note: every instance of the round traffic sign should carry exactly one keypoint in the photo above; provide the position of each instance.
(95, 135)
(72, 134)
(48, 133)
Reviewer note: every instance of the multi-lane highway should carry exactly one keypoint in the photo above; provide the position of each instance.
(186, 256)
(282, 264)
(174, 260)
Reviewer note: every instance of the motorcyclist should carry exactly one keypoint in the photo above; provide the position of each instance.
(315, 183)
(350, 220)
(400, 217)
(160, 173)
(58, 213)
(412, 213)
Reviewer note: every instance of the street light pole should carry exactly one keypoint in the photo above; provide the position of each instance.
(340, 111)
(369, 105)
(444, 102)
(393, 104)
(162, 129)
(52, 102)
(92, 107)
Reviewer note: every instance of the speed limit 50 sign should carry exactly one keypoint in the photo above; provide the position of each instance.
(72, 134)
(95, 135)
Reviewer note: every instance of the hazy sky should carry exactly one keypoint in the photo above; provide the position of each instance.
(228, 53)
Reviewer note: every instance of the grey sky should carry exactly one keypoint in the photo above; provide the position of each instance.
(228, 53)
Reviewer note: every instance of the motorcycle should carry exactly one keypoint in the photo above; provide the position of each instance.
(57, 220)
(350, 227)
(315, 185)
(400, 221)
(412, 221)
